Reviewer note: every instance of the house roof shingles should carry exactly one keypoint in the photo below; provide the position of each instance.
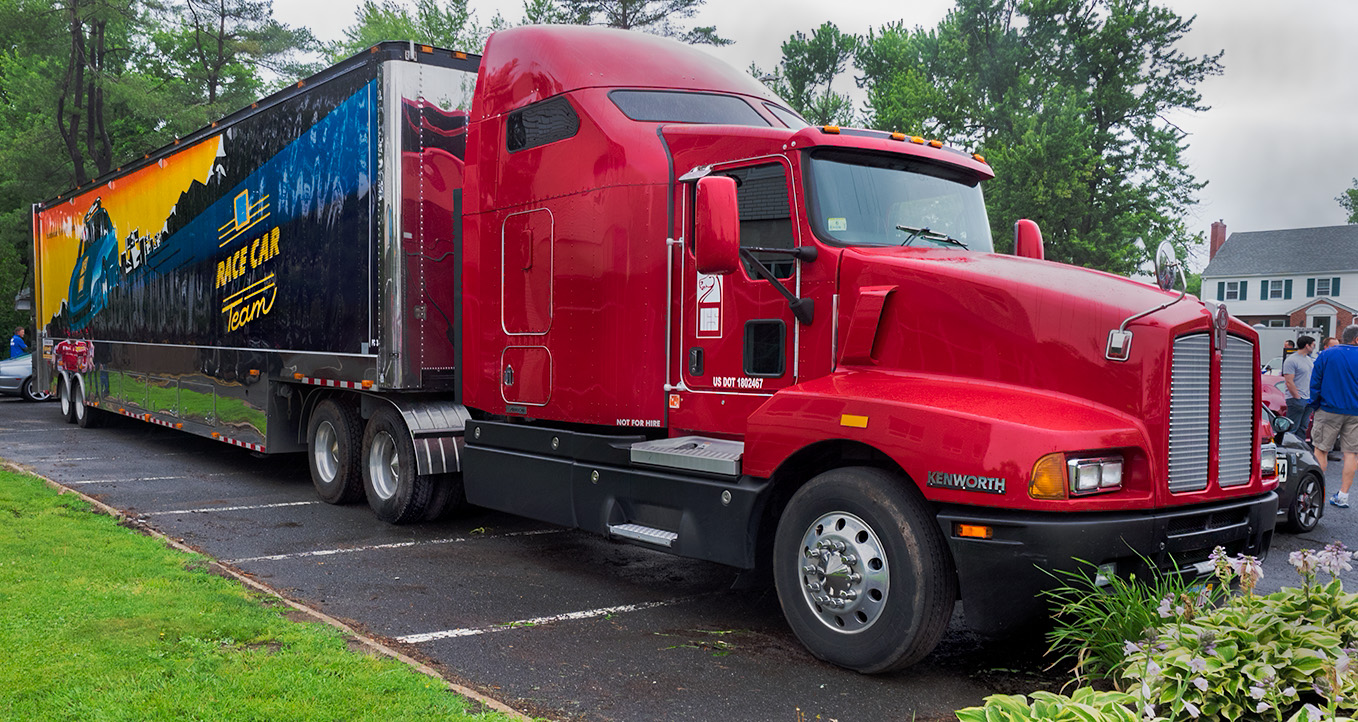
(1327, 249)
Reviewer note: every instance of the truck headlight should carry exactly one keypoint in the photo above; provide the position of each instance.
(1268, 461)
(1092, 476)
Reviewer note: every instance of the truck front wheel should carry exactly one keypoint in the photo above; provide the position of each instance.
(862, 571)
(334, 439)
(396, 493)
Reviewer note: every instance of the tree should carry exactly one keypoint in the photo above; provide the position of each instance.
(1348, 200)
(807, 73)
(218, 44)
(449, 25)
(1070, 101)
(652, 16)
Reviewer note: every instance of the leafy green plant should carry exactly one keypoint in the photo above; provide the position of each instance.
(1084, 705)
(1093, 621)
(1261, 657)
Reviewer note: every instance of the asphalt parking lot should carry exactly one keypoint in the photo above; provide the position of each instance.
(553, 622)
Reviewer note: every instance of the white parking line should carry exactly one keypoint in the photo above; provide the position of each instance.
(105, 458)
(393, 545)
(537, 622)
(143, 478)
(206, 509)
(47, 430)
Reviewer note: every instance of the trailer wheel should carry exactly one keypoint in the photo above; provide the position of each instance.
(86, 416)
(396, 493)
(334, 444)
(862, 571)
(64, 395)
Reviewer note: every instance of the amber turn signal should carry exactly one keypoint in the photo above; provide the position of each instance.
(974, 531)
(1049, 478)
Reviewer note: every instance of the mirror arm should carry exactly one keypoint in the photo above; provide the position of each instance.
(803, 308)
(801, 253)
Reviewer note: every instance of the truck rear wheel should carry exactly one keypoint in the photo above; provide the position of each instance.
(396, 493)
(862, 571)
(64, 395)
(334, 451)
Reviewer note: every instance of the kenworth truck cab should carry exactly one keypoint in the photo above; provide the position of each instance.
(601, 279)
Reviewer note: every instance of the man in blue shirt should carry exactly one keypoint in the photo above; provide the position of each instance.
(1334, 393)
(17, 347)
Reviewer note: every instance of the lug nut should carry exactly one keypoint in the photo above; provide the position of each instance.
(813, 586)
(850, 559)
(810, 569)
(855, 578)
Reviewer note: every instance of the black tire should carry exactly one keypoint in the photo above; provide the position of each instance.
(395, 492)
(67, 402)
(887, 562)
(30, 392)
(447, 498)
(86, 416)
(1307, 505)
(334, 452)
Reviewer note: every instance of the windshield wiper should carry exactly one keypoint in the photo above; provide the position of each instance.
(929, 235)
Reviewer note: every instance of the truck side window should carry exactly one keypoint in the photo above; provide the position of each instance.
(540, 124)
(765, 215)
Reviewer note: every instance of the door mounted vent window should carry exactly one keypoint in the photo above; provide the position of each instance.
(764, 347)
(540, 124)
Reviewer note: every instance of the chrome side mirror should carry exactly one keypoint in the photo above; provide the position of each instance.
(1168, 268)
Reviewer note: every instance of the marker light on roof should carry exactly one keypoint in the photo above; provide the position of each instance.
(935, 144)
(979, 158)
(898, 136)
(831, 129)
(916, 140)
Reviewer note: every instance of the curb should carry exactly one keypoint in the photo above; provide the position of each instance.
(367, 641)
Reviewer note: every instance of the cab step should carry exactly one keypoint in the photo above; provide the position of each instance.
(692, 453)
(649, 535)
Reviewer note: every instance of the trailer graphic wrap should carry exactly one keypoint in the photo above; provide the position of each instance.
(269, 221)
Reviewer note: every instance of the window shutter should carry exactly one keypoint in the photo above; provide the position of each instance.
(1244, 294)
(1221, 290)
(1310, 287)
(1263, 290)
(1287, 289)
(1334, 288)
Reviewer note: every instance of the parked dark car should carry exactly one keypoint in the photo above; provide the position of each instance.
(1301, 484)
(16, 379)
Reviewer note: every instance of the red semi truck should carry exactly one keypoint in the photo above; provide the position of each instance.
(600, 279)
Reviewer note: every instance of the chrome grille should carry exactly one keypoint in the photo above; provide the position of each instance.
(1235, 416)
(1190, 420)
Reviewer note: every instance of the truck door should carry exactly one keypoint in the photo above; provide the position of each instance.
(739, 334)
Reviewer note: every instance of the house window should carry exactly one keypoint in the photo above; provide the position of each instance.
(1232, 291)
(1275, 289)
(1322, 286)
(1277, 323)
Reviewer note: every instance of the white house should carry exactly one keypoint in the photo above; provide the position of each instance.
(1293, 277)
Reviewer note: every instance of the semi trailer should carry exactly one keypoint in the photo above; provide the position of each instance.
(600, 279)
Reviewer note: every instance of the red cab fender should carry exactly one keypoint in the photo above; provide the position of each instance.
(962, 441)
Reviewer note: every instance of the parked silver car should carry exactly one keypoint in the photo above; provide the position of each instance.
(16, 379)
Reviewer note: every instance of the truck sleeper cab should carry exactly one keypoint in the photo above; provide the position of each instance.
(668, 311)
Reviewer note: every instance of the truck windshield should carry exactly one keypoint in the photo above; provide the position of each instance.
(862, 199)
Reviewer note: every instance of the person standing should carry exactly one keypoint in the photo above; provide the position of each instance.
(1329, 343)
(1297, 374)
(17, 347)
(1334, 394)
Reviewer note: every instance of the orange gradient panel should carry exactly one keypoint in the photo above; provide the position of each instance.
(138, 201)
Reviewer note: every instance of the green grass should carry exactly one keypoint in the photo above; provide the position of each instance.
(101, 623)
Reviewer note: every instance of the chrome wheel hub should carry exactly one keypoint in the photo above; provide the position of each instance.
(845, 576)
(384, 465)
(326, 451)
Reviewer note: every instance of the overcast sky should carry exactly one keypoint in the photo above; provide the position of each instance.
(1278, 145)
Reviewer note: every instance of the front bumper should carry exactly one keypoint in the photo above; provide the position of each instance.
(1000, 579)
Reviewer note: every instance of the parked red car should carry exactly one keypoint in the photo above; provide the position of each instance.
(1274, 389)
